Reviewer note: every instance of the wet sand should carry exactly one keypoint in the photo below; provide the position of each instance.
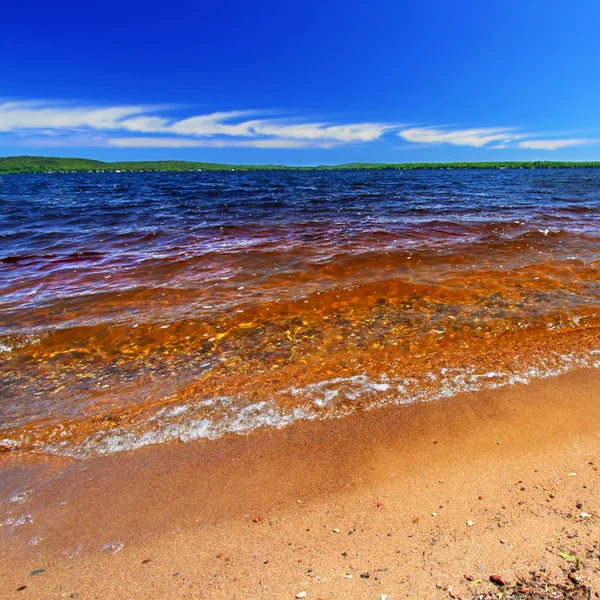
(420, 501)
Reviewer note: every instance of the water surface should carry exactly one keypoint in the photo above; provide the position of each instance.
(137, 308)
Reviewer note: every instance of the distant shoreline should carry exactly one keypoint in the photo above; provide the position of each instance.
(40, 164)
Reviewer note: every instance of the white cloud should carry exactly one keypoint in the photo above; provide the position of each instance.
(221, 124)
(476, 137)
(354, 132)
(225, 129)
(500, 137)
(218, 123)
(15, 116)
(143, 126)
(553, 144)
(177, 142)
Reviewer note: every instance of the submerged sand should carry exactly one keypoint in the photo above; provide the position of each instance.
(420, 501)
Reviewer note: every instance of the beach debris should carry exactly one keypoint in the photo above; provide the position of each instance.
(365, 575)
(470, 523)
(336, 530)
(572, 474)
(112, 548)
(37, 572)
(257, 519)
(34, 541)
(585, 515)
(21, 588)
(573, 577)
(570, 558)
(383, 597)
(301, 595)
(469, 577)
(146, 561)
(434, 514)
(497, 580)
(416, 520)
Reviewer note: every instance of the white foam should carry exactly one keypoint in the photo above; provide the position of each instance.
(211, 418)
(21, 497)
(23, 520)
(112, 548)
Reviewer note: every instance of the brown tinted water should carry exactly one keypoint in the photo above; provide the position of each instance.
(140, 308)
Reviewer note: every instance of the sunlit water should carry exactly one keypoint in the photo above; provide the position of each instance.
(138, 308)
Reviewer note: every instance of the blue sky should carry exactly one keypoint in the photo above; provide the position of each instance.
(302, 82)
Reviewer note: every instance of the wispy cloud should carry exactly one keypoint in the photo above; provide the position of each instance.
(553, 144)
(180, 142)
(491, 137)
(241, 128)
(358, 132)
(476, 137)
(15, 116)
(68, 124)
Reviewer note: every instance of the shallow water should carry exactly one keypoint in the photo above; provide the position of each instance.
(136, 308)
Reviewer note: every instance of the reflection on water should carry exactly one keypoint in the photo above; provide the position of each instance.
(138, 308)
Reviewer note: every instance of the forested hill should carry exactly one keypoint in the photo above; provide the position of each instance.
(41, 164)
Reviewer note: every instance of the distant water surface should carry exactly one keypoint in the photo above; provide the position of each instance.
(137, 308)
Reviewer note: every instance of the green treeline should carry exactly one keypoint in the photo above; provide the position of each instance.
(40, 164)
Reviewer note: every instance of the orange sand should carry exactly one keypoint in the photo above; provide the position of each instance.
(311, 507)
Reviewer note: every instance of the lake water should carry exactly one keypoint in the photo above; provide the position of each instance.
(139, 308)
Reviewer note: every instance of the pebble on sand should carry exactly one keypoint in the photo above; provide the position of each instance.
(301, 595)
(470, 523)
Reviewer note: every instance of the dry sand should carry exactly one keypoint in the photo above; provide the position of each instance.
(422, 501)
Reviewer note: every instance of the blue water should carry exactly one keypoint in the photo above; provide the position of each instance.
(136, 293)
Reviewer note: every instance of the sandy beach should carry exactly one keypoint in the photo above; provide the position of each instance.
(300, 301)
(419, 501)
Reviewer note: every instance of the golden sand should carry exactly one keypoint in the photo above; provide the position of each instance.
(420, 501)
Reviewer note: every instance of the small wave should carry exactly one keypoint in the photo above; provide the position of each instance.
(213, 418)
